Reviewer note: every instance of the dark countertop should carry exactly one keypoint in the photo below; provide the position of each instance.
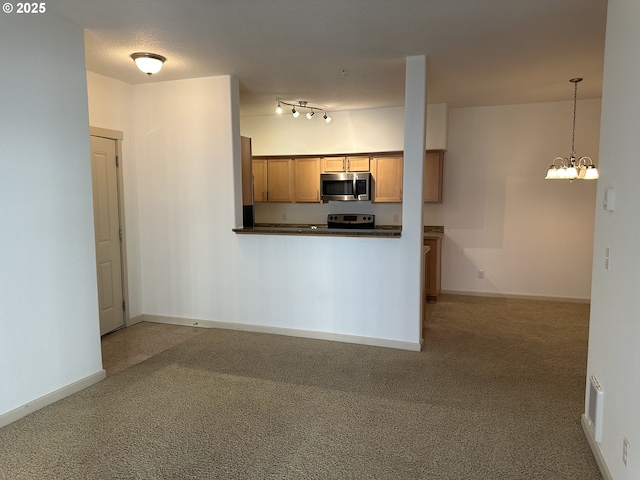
(433, 232)
(319, 230)
(382, 231)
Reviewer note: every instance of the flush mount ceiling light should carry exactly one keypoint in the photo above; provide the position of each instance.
(296, 106)
(570, 168)
(148, 63)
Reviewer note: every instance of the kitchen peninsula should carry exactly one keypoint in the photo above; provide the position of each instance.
(319, 230)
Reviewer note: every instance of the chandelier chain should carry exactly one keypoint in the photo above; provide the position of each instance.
(573, 132)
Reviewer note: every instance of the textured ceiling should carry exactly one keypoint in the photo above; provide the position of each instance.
(480, 52)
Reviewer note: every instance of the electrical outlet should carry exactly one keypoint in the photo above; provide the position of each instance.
(480, 274)
(625, 450)
(284, 216)
(607, 258)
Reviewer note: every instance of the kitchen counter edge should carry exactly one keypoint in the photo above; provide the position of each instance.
(320, 230)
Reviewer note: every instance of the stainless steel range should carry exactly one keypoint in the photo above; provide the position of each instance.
(351, 220)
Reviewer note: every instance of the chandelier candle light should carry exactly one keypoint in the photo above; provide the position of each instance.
(302, 105)
(570, 168)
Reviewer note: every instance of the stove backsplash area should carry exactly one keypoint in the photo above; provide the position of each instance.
(316, 213)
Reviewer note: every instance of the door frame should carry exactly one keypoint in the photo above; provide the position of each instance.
(118, 136)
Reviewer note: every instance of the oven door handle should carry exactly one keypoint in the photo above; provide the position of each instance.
(355, 187)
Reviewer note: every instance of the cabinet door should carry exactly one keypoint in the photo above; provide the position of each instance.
(334, 164)
(358, 164)
(387, 179)
(247, 179)
(432, 268)
(280, 180)
(259, 171)
(307, 180)
(432, 186)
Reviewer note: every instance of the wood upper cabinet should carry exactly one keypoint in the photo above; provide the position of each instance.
(247, 180)
(432, 183)
(334, 164)
(307, 180)
(272, 180)
(387, 179)
(259, 171)
(356, 163)
(280, 180)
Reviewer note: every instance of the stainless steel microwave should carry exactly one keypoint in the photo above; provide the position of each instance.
(343, 187)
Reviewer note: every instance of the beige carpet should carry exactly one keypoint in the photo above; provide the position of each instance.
(497, 394)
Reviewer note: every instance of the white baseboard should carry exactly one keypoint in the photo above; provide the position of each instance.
(135, 319)
(604, 470)
(516, 296)
(24, 410)
(291, 332)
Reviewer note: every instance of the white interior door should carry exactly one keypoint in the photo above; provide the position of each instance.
(107, 233)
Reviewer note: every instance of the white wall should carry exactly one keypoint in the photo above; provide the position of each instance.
(530, 236)
(194, 266)
(48, 296)
(111, 107)
(614, 334)
(412, 180)
(356, 131)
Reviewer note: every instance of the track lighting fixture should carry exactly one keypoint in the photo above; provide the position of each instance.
(301, 104)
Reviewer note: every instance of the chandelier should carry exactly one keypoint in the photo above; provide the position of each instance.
(571, 168)
(302, 105)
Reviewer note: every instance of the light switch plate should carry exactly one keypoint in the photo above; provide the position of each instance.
(609, 199)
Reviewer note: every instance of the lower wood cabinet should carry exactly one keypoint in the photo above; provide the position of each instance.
(432, 183)
(432, 268)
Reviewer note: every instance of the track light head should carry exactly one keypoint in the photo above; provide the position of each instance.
(295, 113)
(279, 108)
(326, 117)
(310, 114)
